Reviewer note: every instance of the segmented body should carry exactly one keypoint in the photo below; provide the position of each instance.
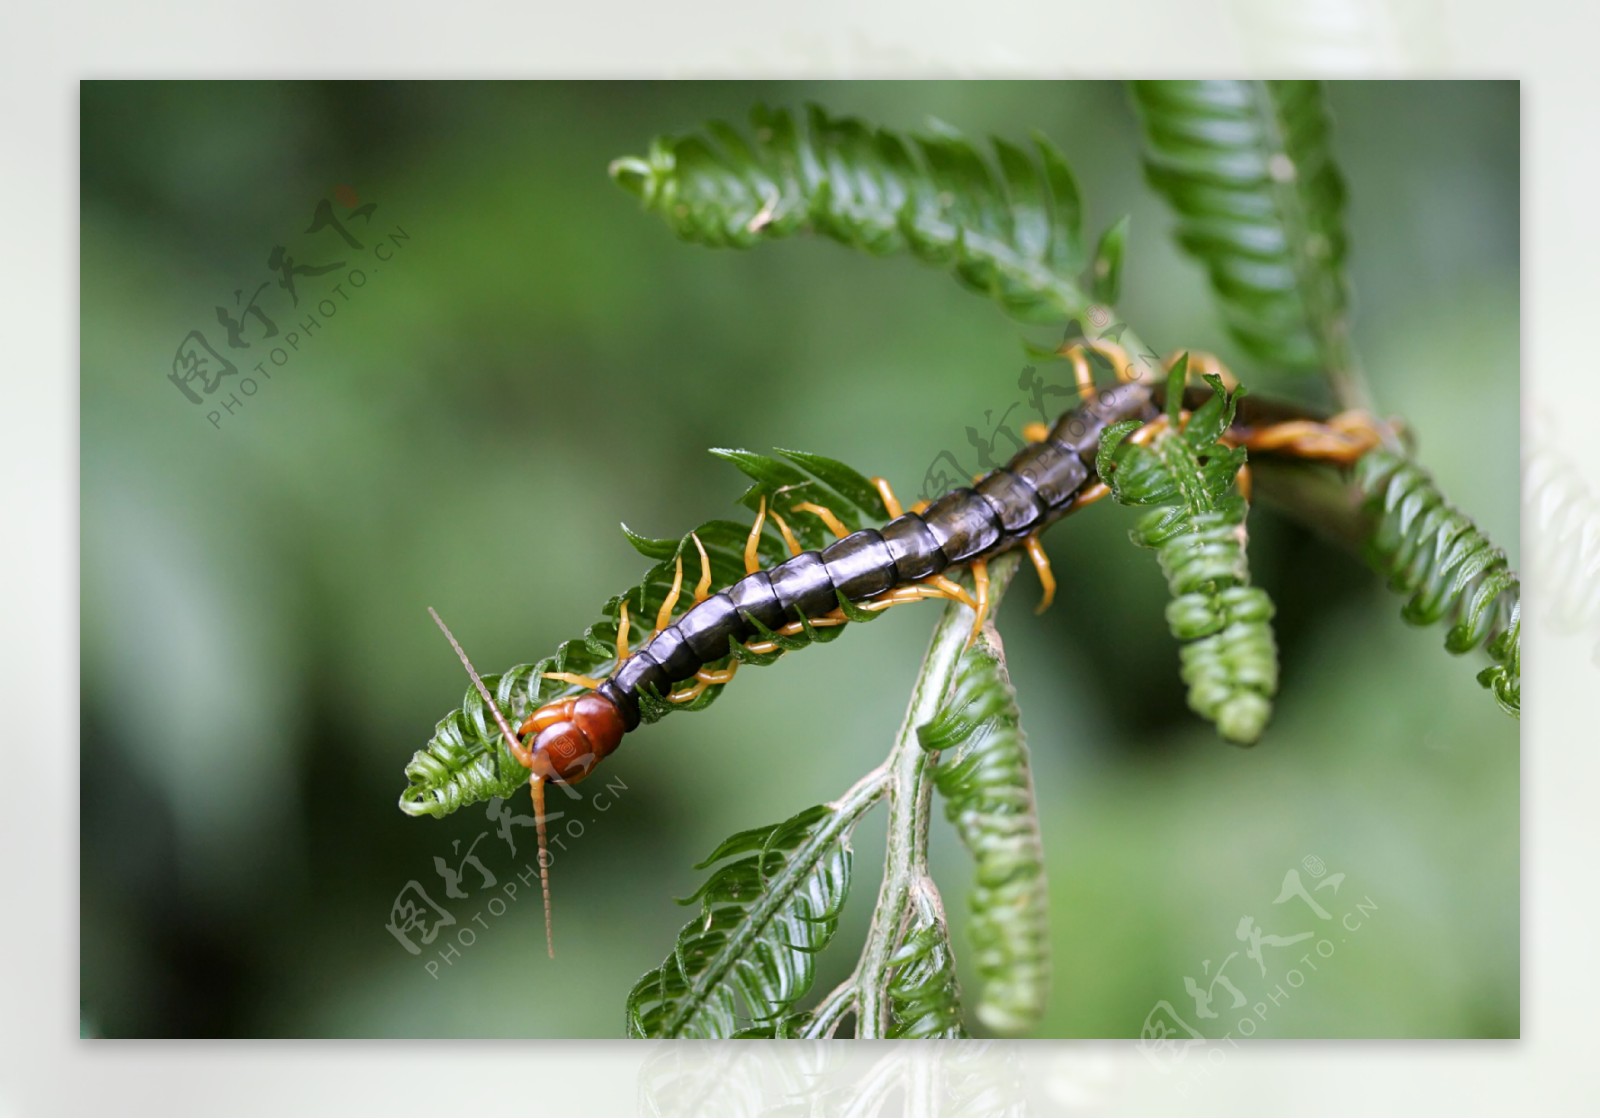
(873, 567)
(868, 570)
(998, 513)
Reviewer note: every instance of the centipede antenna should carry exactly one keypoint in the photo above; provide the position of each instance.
(536, 788)
(536, 784)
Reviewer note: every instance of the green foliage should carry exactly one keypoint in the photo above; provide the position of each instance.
(924, 997)
(1249, 169)
(1247, 166)
(1010, 229)
(1105, 272)
(987, 786)
(1432, 551)
(748, 955)
(1229, 658)
(467, 760)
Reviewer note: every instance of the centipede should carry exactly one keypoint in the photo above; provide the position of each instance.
(916, 555)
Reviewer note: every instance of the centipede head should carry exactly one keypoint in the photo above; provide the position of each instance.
(571, 735)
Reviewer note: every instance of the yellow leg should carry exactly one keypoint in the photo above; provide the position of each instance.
(949, 588)
(1358, 425)
(1120, 361)
(670, 603)
(788, 537)
(573, 678)
(980, 584)
(752, 551)
(1089, 496)
(622, 633)
(1150, 430)
(1047, 579)
(1081, 373)
(1343, 439)
(1245, 481)
(684, 695)
(702, 589)
(890, 502)
(704, 679)
(1202, 363)
(1036, 432)
(835, 525)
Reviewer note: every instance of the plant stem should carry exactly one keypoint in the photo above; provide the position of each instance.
(910, 770)
(1319, 498)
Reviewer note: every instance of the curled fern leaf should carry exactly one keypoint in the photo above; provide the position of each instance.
(467, 761)
(987, 786)
(924, 997)
(1009, 229)
(1248, 167)
(1432, 552)
(749, 954)
(1229, 658)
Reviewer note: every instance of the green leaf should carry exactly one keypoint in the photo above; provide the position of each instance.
(749, 954)
(1433, 553)
(650, 547)
(1009, 229)
(924, 997)
(987, 785)
(843, 480)
(1228, 657)
(467, 761)
(1249, 169)
(1105, 272)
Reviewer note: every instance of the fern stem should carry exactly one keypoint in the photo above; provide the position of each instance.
(910, 774)
(831, 1011)
(1318, 284)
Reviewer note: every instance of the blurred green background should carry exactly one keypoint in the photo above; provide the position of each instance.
(467, 430)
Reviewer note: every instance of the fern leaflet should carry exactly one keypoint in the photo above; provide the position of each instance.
(1249, 169)
(1010, 229)
(1229, 658)
(1432, 551)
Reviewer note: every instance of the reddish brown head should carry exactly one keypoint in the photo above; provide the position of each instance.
(571, 736)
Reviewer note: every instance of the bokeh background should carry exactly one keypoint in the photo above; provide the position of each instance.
(538, 360)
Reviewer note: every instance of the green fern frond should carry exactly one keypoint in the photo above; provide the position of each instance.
(1009, 229)
(1452, 572)
(748, 956)
(467, 761)
(1229, 658)
(987, 785)
(1249, 169)
(1105, 271)
(924, 997)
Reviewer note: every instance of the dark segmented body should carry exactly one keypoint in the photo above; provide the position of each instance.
(998, 513)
